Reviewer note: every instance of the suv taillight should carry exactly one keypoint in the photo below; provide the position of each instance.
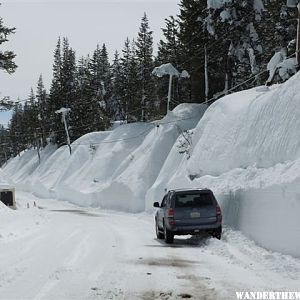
(170, 215)
(218, 213)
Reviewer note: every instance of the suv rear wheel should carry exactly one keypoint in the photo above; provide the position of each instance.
(217, 233)
(169, 236)
(159, 235)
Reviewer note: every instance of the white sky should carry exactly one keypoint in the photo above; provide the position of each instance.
(39, 23)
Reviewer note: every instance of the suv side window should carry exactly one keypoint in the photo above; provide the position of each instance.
(164, 201)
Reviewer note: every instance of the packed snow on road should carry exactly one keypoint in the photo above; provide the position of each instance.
(58, 250)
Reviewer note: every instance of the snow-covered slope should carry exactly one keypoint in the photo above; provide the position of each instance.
(4, 180)
(111, 169)
(246, 148)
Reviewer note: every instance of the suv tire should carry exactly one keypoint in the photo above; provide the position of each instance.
(159, 235)
(217, 233)
(169, 236)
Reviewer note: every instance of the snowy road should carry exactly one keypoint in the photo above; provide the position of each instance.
(60, 251)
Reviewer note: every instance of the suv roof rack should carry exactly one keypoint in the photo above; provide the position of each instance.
(188, 189)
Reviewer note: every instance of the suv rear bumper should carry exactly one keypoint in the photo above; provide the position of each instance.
(184, 230)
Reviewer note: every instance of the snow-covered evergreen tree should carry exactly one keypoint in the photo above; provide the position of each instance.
(145, 65)
(279, 40)
(233, 24)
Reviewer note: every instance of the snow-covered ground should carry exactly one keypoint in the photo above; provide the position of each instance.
(57, 250)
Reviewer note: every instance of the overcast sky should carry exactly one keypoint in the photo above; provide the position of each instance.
(39, 23)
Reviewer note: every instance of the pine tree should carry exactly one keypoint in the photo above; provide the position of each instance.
(63, 88)
(17, 143)
(278, 32)
(68, 89)
(233, 24)
(87, 112)
(169, 48)
(279, 26)
(145, 65)
(55, 93)
(30, 121)
(170, 51)
(68, 74)
(116, 97)
(101, 72)
(43, 108)
(130, 104)
(83, 100)
(24, 125)
(193, 38)
(6, 57)
(106, 80)
(6, 149)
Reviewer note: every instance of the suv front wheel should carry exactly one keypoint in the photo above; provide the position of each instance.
(169, 236)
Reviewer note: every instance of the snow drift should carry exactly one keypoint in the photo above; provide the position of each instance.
(246, 148)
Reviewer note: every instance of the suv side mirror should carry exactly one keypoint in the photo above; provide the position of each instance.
(156, 204)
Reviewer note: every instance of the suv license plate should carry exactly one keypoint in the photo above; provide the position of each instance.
(195, 214)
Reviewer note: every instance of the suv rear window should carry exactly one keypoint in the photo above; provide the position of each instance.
(193, 200)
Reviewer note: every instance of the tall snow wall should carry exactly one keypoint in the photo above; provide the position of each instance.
(246, 148)
(112, 169)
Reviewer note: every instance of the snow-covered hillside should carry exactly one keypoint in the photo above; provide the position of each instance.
(246, 148)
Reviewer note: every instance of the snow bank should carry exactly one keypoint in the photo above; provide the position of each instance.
(16, 224)
(4, 180)
(106, 169)
(140, 170)
(4, 208)
(249, 128)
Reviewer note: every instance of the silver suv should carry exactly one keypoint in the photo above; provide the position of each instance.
(183, 212)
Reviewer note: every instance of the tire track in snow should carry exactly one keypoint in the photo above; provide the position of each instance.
(195, 286)
(167, 262)
(68, 266)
